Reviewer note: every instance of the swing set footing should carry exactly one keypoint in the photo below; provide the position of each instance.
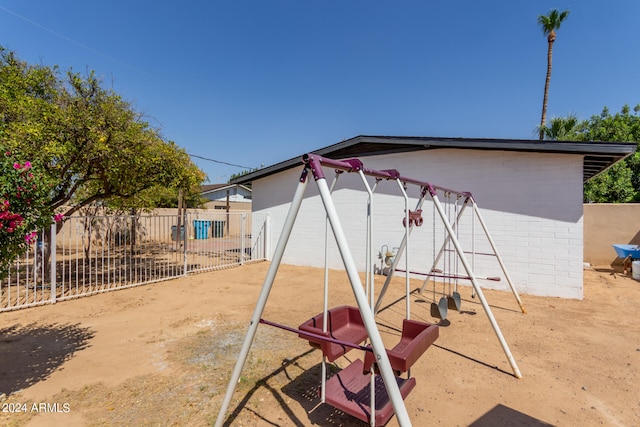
(349, 391)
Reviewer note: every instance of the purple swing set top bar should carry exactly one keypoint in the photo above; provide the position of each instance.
(315, 163)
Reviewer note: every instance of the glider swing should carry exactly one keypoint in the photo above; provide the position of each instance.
(341, 329)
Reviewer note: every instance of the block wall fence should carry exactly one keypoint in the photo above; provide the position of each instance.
(606, 225)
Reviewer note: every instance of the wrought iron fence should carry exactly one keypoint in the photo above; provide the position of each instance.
(94, 254)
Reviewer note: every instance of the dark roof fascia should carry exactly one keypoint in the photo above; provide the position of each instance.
(608, 152)
(545, 146)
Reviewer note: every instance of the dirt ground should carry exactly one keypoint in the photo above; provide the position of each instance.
(162, 354)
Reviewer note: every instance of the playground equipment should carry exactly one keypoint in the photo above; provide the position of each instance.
(452, 252)
(341, 329)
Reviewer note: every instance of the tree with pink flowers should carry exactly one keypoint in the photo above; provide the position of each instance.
(24, 206)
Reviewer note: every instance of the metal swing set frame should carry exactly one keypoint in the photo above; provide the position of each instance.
(375, 351)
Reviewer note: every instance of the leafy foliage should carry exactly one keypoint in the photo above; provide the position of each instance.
(552, 21)
(620, 183)
(92, 144)
(24, 206)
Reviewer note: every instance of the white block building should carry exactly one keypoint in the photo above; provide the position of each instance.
(529, 193)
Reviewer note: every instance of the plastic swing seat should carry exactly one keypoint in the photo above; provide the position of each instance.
(344, 323)
(350, 389)
(416, 338)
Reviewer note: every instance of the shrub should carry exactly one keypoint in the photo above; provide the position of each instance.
(24, 207)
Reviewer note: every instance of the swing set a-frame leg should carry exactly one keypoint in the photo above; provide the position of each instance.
(444, 246)
(264, 294)
(469, 271)
(478, 289)
(476, 211)
(498, 257)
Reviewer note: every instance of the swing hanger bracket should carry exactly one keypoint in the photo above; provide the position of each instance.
(415, 218)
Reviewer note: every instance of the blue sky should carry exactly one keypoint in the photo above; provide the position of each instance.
(255, 82)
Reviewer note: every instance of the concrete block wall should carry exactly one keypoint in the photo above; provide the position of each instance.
(607, 224)
(531, 203)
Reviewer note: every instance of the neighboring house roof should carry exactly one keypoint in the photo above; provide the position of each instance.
(598, 156)
(210, 188)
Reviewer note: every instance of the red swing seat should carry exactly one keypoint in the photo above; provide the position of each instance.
(416, 338)
(344, 323)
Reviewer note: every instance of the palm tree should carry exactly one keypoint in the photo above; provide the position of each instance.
(561, 128)
(549, 23)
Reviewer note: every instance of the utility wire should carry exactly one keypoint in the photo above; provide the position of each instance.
(70, 40)
(77, 43)
(221, 162)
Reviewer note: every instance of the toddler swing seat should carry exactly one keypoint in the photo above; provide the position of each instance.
(344, 323)
(350, 389)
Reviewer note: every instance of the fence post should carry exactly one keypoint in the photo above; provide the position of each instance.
(185, 240)
(242, 219)
(52, 270)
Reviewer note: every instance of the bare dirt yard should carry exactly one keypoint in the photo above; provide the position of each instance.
(162, 354)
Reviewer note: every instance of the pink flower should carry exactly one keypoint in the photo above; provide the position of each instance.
(58, 217)
(16, 165)
(27, 165)
(29, 238)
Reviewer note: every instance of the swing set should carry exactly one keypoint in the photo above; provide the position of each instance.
(373, 389)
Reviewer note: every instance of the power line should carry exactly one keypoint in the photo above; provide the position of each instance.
(221, 162)
(77, 43)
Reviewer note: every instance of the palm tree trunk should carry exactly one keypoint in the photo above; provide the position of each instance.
(543, 120)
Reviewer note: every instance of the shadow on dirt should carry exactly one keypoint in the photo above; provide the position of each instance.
(502, 415)
(305, 389)
(264, 383)
(31, 353)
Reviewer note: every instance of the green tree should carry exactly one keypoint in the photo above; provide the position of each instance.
(620, 183)
(243, 173)
(549, 23)
(92, 144)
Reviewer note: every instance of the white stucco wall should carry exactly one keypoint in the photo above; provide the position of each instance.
(531, 202)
